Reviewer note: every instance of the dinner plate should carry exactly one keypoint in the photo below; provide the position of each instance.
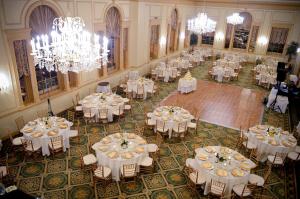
(237, 172)
(221, 172)
(207, 165)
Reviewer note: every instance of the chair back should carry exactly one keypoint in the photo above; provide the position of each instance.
(159, 139)
(129, 170)
(246, 191)
(217, 187)
(140, 89)
(279, 156)
(56, 142)
(254, 157)
(71, 116)
(27, 144)
(103, 113)
(182, 127)
(100, 171)
(20, 122)
(160, 124)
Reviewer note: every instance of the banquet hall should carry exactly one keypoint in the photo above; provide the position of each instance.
(149, 99)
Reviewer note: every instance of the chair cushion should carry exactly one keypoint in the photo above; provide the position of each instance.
(192, 125)
(278, 160)
(89, 159)
(256, 180)
(238, 189)
(17, 141)
(73, 133)
(293, 155)
(193, 177)
(98, 172)
(3, 170)
(152, 148)
(146, 162)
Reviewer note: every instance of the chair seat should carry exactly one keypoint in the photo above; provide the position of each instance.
(56, 145)
(238, 189)
(278, 160)
(127, 107)
(149, 115)
(146, 162)
(192, 125)
(293, 155)
(152, 148)
(3, 170)
(194, 179)
(73, 133)
(78, 108)
(99, 174)
(249, 145)
(117, 112)
(89, 115)
(150, 122)
(89, 159)
(160, 129)
(179, 130)
(256, 180)
(17, 141)
(128, 172)
(34, 148)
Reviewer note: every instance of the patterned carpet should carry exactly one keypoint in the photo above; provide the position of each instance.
(61, 177)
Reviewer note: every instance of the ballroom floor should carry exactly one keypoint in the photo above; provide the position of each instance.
(61, 177)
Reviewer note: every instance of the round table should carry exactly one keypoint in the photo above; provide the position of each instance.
(111, 154)
(41, 130)
(233, 170)
(187, 85)
(172, 116)
(220, 72)
(96, 101)
(147, 84)
(270, 140)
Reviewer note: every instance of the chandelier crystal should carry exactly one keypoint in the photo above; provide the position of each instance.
(71, 49)
(201, 24)
(235, 19)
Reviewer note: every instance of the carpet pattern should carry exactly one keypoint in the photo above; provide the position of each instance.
(61, 176)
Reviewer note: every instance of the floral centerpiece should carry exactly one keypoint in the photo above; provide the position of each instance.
(220, 157)
(124, 144)
(171, 110)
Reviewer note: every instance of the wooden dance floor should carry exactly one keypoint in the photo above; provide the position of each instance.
(222, 104)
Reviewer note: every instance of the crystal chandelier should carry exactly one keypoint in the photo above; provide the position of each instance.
(235, 19)
(71, 48)
(201, 24)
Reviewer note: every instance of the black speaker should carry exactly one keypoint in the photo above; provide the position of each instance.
(281, 72)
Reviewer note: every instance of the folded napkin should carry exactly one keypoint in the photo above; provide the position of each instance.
(237, 172)
(245, 166)
(113, 154)
(131, 136)
(106, 140)
(37, 134)
(202, 156)
(139, 149)
(273, 142)
(127, 155)
(225, 150)
(52, 133)
(210, 149)
(239, 157)
(260, 137)
(63, 126)
(207, 165)
(117, 135)
(27, 129)
(221, 172)
(103, 148)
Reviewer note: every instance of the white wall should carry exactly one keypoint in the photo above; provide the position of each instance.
(137, 15)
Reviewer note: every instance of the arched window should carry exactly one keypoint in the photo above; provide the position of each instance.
(40, 22)
(113, 32)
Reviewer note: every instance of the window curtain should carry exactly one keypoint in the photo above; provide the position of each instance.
(174, 19)
(41, 20)
(113, 22)
(279, 35)
(154, 34)
(21, 57)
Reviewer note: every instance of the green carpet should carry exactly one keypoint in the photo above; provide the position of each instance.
(61, 177)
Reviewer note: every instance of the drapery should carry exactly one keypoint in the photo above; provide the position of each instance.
(154, 34)
(113, 22)
(279, 35)
(21, 57)
(41, 20)
(174, 19)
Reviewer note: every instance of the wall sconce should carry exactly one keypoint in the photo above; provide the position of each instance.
(219, 36)
(262, 40)
(182, 35)
(3, 83)
(163, 41)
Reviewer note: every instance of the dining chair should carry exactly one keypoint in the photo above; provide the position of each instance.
(217, 188)
(103, 115)
(195, 178)
(149, 123)
(56, 144)
(5, 175)
(243, 190)
(128, 171)
(147, 165)
(161, 127)
(254, 156)
(194, 125)
(102, 174)
(29, 147)
(15, 142)
(128, 106)
(260, 181)
(180, 130)
(277, 160)
(88, 115)
(77, 97)
(119, 112)
(20, 122)
(140, 92)
(87, 162)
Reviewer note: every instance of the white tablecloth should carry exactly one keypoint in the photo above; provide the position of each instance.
(264, 146)
(133, 75)
(103, 89)
(172, 115)
(39, 125)
(187, 85)
(221, 71)
(115, 145)
(96, 101)
(147, 84)
(282, 101)
(166, 72)
(230, 180)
